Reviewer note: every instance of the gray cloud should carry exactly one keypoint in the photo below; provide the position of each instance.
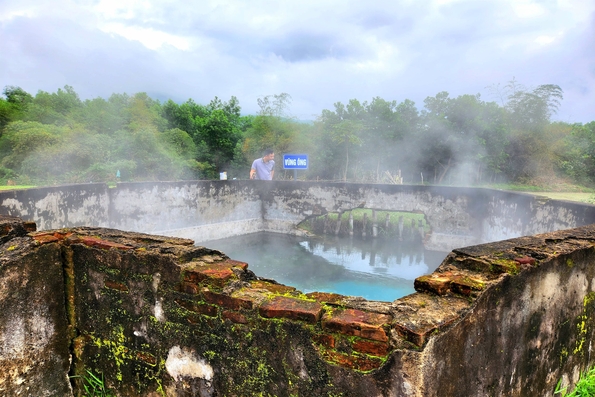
(318, 52)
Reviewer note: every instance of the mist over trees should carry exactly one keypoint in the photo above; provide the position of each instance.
(56, 138)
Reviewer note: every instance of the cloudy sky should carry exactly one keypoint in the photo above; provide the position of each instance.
(318, 51)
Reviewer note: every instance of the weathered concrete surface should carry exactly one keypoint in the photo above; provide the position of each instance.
(157, 315)
(59, 206)
(34, 339)
(207, 210)
(210, 209)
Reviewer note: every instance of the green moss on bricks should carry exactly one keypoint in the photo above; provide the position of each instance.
(569, 263)
(505, 265)
(582, 324)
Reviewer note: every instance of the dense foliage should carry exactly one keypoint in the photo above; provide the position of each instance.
(58, 138)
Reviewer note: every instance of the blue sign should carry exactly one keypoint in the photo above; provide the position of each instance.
(295, 161)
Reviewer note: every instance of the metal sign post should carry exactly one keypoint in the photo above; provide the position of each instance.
(295, 162)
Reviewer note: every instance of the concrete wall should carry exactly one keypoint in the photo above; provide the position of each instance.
(204, 209)
(59, 206)
(34, 334)
(207, 210)
(157, 316)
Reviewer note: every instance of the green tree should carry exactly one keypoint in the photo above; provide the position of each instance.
(271, 128)
(215, 128)
(105, 116)
(54, 108)
(13, 107)
(529, 111)
(577, 156)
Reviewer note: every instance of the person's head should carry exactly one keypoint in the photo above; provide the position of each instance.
(268, 155)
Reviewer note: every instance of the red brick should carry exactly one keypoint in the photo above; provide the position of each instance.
(50, 237)
(326, 297)
(291, 308)
(235, 317)
(45, 238)
(234, 263)
(100, 243)
(146, 358)
(226, 301)
(188, 288)
(357, 323)
(214, 274)
(115, 285)
(62, 235)
(525, 260)
(324, 340)
(370, 347)
(199, 308)
(352, 361)
(271, 287)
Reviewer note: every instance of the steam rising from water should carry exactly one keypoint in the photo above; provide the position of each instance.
(372, 269)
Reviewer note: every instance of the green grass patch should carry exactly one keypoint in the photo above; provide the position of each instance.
(553, 188)
(16, 187)
(94, 386)
(584, 388)
(358, 216)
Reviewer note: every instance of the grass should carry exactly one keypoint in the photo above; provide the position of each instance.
(568, 196)
(584, 388)
(559, 191)
(95, 386)
(16, 187)
(358, 216)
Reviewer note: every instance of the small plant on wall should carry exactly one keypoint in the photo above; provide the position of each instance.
(584, 388)
(94, 386)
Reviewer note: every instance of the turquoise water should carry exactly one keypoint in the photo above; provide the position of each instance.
(373, 269)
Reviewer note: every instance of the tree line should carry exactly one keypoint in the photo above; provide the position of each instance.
(57, 138)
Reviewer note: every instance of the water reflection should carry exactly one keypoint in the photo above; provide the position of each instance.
(374, 269)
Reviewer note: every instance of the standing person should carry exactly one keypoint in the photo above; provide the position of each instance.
(264, 168)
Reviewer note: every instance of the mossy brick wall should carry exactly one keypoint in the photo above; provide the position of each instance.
(207, 210)
(158, 316)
